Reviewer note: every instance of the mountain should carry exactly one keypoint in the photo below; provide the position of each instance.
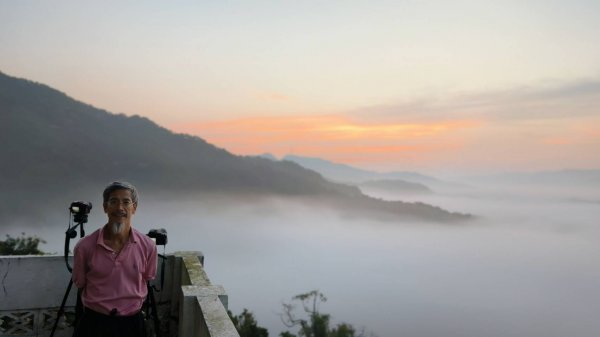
(347, 174)
(332, 171)
(396, 186)
(53, 145)
(268, 156)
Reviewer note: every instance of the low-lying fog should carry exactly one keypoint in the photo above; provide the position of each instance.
(529, 266)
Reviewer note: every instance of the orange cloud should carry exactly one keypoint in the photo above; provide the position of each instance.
(329, 136)
(391, 131)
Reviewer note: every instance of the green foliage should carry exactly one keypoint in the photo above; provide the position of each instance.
(286, 334)
(21, 245)
(343, 330)
(317, 324)
(246, 325)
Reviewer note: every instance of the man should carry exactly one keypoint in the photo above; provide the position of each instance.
(111, 268)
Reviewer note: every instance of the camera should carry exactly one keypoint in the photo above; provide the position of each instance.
(159, 235)
(80, 210)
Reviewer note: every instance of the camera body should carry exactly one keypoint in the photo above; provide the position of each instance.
(80, 207)
(159, 235)
(80, 210)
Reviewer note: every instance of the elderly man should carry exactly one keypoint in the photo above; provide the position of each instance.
(111, 268)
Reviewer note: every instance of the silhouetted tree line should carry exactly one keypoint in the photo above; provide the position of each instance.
(309, 321)
(23, 245)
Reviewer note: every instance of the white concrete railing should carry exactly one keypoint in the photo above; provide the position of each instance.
(203, 307)
(32, 288)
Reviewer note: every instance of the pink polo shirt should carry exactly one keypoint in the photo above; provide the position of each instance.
(114, 281)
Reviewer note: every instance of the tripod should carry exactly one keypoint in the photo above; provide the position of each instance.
(71, 233)
(150, 301)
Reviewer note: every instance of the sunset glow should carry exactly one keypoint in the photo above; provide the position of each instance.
(330, 136)
(435, 86)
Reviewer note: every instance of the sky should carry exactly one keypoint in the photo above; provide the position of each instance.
(431, 86)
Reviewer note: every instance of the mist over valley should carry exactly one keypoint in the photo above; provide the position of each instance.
(527, 266)
(399, 253)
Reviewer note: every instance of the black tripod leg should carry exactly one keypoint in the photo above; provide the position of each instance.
(154, 311)
(62, 308)
(78, 309)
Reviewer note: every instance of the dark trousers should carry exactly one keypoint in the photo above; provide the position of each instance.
(94, 324)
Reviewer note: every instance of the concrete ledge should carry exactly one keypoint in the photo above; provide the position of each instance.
(193, 269)
(205, 303)
(207, 291)
(34, 281)
(216, 319)
(31, 290)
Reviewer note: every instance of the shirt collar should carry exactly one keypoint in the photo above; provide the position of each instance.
(133, 236)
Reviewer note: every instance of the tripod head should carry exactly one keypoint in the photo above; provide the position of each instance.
(80, 211)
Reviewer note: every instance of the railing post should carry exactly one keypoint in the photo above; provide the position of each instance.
(202, 306)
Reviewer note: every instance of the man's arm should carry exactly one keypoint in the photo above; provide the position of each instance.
(151, 266)
(79, 267)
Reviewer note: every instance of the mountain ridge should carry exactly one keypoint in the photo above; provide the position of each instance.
(347, 174)
(54, 144)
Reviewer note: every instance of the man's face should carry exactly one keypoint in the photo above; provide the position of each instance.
(120, 207)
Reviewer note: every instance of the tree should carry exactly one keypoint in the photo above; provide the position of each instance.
(246, 325)
(343, 330)
(21, 245)
(317, 324)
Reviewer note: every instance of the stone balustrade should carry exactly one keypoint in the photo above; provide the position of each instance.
(32, 288)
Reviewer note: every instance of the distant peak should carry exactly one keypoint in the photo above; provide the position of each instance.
(268, 156)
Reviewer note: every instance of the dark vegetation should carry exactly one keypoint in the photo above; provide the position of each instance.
(23, 245)
(246, 325)
(309, 321)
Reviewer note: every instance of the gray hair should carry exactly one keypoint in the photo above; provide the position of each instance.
(120, 185)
